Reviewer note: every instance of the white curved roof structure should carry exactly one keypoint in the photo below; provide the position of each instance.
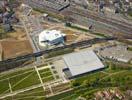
(48, 36)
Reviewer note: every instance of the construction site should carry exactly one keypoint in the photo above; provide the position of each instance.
(13, 37)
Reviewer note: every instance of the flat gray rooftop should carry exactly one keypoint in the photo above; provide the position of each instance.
(54, 4)
(119, 53)
(82, 62)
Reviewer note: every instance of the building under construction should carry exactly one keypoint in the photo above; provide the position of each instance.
(56, 5)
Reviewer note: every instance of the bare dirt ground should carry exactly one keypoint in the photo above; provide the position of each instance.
(16, 44)
(71, 36)
(18, 34)
(13, 48)
(74, 36)
(83, 37)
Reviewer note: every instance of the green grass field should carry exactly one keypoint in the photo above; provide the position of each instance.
(23, 79)
(84, 86)
(34, 94)
(4, 87)
(129, 48)
(59, 52)
(14, 73)
(46, 75)
(88, 84)
(13, 78)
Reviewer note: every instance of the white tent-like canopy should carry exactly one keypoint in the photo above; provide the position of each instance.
(50, 37)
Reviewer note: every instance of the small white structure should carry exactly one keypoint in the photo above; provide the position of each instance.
(51, 37)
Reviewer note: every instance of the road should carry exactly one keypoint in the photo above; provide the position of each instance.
(41, 81)
(33, 28)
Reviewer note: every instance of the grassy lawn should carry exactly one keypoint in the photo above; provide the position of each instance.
(90, 77)
(62, 95)
(46, 74)
(34, 94)
(70, 97)
(129, 48)
(24, 80)
(4, 87)
(80, 90)
(84, 86)
(8, 98)
(44, 70)
(14, 73)
(60, 52)
(17, 77)
(47, 79)
(31, 94)
(118, 77)
(88, 84)
(110, 70)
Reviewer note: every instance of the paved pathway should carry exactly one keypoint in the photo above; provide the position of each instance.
(39, 77)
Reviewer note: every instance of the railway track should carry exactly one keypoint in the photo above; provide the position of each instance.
(126, 27)
(121, 25)
(95, 14)
(38, 54)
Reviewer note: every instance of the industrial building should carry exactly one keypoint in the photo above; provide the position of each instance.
(51, 37)
(119, 53)
(79, 63)
(84, 3)
(26, 10)
(56, 5)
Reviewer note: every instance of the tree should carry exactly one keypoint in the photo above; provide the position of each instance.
(75, 83)
(68, 24)
(86, 83)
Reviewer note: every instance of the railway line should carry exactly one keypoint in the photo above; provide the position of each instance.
(40, 53)
(97, 15)
(118, 25)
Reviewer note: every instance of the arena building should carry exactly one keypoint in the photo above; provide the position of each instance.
(79, 63)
